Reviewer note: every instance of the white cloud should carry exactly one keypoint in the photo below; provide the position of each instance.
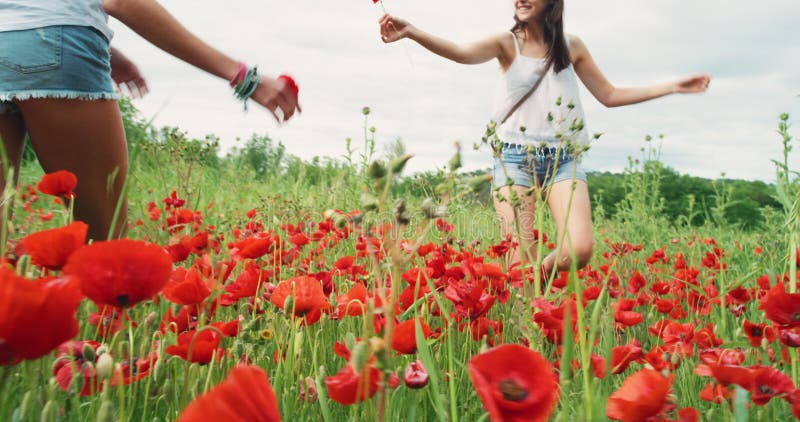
(334, 52)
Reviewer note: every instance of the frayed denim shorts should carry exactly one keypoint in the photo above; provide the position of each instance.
(543, 166)
(66, 62)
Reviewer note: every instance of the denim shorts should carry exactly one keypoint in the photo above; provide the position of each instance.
(66, 62)
(543, 166)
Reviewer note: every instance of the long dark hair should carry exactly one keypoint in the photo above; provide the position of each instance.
(557, 48)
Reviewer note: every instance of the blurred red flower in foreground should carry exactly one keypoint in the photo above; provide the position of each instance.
(35, 316)
(58, 183)
(121, 272)
(245, 395)
(514, 383)
(51, 248)
(641, 397)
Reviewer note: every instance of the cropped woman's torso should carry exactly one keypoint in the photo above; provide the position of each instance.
(553, 109)
(28, 14)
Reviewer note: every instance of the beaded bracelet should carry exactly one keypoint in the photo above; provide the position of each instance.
(244, 89)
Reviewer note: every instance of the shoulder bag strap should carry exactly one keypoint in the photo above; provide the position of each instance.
(526, 96)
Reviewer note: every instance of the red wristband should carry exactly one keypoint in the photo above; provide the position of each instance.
(239, 76)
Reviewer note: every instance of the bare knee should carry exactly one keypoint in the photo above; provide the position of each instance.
(582, 253)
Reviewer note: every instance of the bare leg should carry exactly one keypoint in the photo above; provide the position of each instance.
(508, 224)
(12, 131)
(572, 214)
(86, 138)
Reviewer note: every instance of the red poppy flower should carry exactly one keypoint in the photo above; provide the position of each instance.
(35, 316)
(58, 183)
(415, 375)
(641, 397)
(109, 320)
(308, 299)
(404, 337)
(768, 382)
(794, 399)
(598, 366)
(514, 383)
(715, 393)
(623, 356)
(353, 303)
(136, 369)
(727, 374)
(198, 347)
(121, 272)
(187, 287)
(782, 308)
(705, 337)
(51, 248)
(688, 414)
(72, 362)
(758, 332)
(722, 356)
(245, 395)
(348, 387)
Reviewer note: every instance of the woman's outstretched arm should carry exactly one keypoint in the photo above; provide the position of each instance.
(394, 29)
(155, 24)
(612, 96)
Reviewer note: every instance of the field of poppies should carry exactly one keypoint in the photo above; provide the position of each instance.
(330, 293)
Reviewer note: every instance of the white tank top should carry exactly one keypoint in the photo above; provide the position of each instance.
(516, 81)
(28, 14)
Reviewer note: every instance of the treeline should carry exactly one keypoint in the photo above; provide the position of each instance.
(681, 198)
(739, 202)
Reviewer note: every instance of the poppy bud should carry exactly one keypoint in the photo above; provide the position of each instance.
(106, 412)
(365, 111)
(360, 356)
(455, 162)
(150, 320)
(288, 304)
(377, 345)
(416, 376)
(478, 183)
(427, 208)
(400, 163)
(105, 366)
(23, 407)
(784, 116)
(368, 201)
(88, 352)
(401, 213)
(49, 411)
(376, 170)
(339, 221)
(159, 369)
(298, 343)
(393, 381)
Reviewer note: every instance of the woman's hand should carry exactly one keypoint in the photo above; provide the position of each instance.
(127, 76)
(274, 95)
(393, 29)
(693, 84)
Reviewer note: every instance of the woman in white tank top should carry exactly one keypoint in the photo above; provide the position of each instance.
(539, 137)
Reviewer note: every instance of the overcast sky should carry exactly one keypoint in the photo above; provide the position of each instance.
(332, 48)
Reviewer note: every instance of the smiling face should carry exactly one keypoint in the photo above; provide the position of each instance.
(530, 10)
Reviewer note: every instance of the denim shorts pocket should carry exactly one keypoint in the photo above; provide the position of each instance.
(31, 50)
